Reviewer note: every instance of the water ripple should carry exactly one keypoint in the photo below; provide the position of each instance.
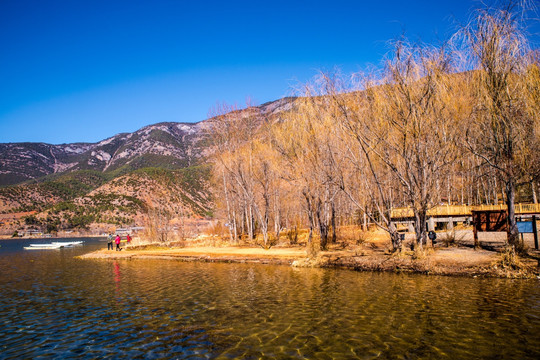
(55, 306)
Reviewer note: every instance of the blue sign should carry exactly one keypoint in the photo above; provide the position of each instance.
(525, 226)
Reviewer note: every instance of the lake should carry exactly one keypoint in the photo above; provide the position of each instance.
(55, 306)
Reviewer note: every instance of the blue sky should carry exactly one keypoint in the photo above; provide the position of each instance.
(82, 71)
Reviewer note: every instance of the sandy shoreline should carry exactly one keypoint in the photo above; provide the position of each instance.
(441, 261)
(280, 256)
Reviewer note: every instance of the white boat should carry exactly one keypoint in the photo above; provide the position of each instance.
(67, 243)
(53, 245)
(43, 246)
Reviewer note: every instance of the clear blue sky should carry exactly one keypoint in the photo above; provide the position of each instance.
(85, 70)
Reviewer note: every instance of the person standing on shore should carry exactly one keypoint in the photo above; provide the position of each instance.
(128, 239)
(117, 241)
(110, 242)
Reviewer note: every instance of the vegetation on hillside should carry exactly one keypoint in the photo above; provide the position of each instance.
(83, 198)
(40, 194)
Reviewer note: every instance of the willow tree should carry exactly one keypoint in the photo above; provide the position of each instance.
(533, 110)
(309, 163)
(231, 132)
(365, 180)
(266, 188)
(406, 131)
(504, 124)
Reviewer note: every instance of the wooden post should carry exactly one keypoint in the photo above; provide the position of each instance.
(535, 232)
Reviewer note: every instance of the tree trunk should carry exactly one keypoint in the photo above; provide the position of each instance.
(513, 232)
(277, 215)
(495, 192)
(420, 227)
(311, 250)
(334, 236)
(230, 214)
(395, 238)
(323, 226)
(364, 225)
(250, 223)
(235, 228)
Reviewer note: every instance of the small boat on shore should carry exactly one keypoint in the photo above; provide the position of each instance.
(53, 245)
(67, 243)
(43, 246)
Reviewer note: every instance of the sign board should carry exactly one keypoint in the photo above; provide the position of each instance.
(525, 226)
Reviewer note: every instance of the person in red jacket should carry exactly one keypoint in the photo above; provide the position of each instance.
(117, 241)
(128, 239)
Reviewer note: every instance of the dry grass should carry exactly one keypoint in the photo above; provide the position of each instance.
(460, 257)
(508, 259)
(450, 238)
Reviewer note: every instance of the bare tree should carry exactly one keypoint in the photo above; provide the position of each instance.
(157, 221)
(230, 132)
(308, 149)
(404, 128)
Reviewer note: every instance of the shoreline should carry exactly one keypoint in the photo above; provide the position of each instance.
(451, 261)
(6, 237)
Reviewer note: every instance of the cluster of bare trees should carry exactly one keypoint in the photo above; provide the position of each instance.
(457, 124)
(246, 172)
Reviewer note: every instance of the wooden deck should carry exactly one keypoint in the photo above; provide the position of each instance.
(463, 210)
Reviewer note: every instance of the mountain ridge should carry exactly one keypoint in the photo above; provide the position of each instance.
(20, 162)
(181, 144)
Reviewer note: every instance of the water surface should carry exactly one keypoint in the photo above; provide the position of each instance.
(55, 306)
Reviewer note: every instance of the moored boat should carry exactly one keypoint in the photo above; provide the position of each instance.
(67, 243)
(43, 246)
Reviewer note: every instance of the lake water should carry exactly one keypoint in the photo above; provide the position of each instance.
(55, 306)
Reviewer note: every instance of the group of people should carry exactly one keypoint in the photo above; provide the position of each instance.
(111, 242)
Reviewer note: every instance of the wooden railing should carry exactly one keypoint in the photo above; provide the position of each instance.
(464, 210)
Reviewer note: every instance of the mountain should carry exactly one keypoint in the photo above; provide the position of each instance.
(116, 179)
(170, 145)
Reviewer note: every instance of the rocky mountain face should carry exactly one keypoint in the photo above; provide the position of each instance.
(168, 145)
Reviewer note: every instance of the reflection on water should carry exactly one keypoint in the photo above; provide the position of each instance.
(53, 305)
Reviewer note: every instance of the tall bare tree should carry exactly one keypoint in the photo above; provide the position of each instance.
(405, 132)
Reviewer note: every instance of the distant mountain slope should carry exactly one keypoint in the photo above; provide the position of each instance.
(67, 203)
(175, 190)
(126, 199)
(37, 196)
(172, 145)
(169, 145)
(23, 161)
